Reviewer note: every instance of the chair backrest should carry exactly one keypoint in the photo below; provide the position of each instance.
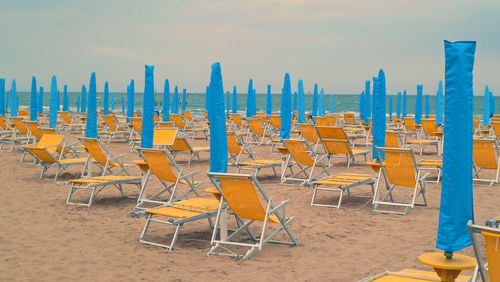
(22, 112)
(42, 154)
(19, 124)
(322, 121)
(164, 136)
(475, 124)
(160, 164)
(496, 128)
(110, 121)
(241, 195)
(66, 117)
(3, 123)
(263, 117)
(233, 146)
(349, 118)
(137, 124)
(430, 127)
(237, 119)
(331, 132)
(399, 166)
(298, 149)
(178, 120)
(34, 129)
(188, 115)
(165, 124)
(256, 126)
(49, 131)
(93, 147)
(275, 121)
(484, 153)
(180, 144)
(410, 123)
(332, 119)
(155, 117)
(309, 132)
(51, 142)
(492, 244)
(392, 139)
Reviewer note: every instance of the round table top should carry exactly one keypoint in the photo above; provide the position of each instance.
(438, 260)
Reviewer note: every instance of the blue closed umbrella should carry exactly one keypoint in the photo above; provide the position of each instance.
(426, 106)
(13, 99)
(379, 114)
(235, 100)
(439, 104)
(362, 105)
(404, 105)
(251, 104)
(456, 207)
(7, 100)
(321, 105)
(302, 103)
(228, 103)
(286, 108)
(78, 109)
(123, 104)
(54, 103)
(218, 137)
(367, 101)
(166, 101)
(269, 108)
(390, 107)
(486, 106)
(130, 99)
(331, 104)
(65, 99)
(84, 98)
(33, 101)
(315, 101)
(398, 110)
(112, 102)
(175, 101)
(2, 97)
(148, 109)
(91, 129)
(184, 99)
(418, 105)
(106, 99)
(58, 101)
(295, 96)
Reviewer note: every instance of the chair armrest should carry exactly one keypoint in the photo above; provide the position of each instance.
(423, 177)
(281, 205)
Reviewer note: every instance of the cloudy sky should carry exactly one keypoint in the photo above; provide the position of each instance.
(336, 43)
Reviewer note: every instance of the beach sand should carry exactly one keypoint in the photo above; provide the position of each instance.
(43, 239)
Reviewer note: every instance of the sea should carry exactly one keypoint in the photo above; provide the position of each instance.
(195, 102)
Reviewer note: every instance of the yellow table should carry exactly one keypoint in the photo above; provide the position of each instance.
(447, 269)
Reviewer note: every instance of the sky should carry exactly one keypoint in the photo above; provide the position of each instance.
(336, 43)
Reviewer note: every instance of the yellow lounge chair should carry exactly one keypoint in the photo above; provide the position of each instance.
(113, 128)
(309, 133)
(399, 169)
(258, 133)
(306, 159)
(103, 158)
(68, 124)
(241, 193)
(182, 145)
(238, 121)
(237, 149)
(20, 136)
(340, 183)
(186, 128)
(485, 156)
(489, 271)
(162, 164)
(335, 142)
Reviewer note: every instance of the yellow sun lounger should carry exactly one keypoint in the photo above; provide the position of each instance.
(187, 128)
(257, 165)
(182, 145)
(340, 183)
(237, 149)
(302, 155)
(21, 135)
(335, 142)
(68, 124)
(113, 128)
(485, 156)
(241, 193)
(489, 270)
(103, 158)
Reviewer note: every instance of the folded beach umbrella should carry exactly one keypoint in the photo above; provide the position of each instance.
(368, 101)
(398, 110)
(379, 114)
(427, 106)
(84, 98)
(33, 101)
(269, 108)
(2, 97)
(54, 103)
(91, 127)
(218, 135)
(486, 106)
(321, 104)
(78, 110)
(235, 100)
(166, 101)
(251, 103)
(112, 101)
(130, 99)
(404, 104)
(439, 104)
(58, 101)
(302, 102)
(65, 99)
(106, 99)
(418, 105)
(456, 190)
(39, 101)
(13, 102)
(184, 99)
(175, 101)
(295, 100)
(228, 103)
(286, 108)
(148, 109)
(315, 101)
(331, 104)
(7, 95)
(390, 107)
(362, 105)
(123, 104)
(492, 104)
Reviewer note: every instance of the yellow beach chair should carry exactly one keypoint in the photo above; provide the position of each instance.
(489, 270)
(181, 145)
(241, 193)
(68, 124)
(399, 169)
(485, 156)
(302, 155)
(335, 142)
(20, 136)
(238, 121)
(258, 133)
(340, 183)
(171, 176)
(113, 128)
(103, 158)
(309, 133)
(186, 128)
(237, 149)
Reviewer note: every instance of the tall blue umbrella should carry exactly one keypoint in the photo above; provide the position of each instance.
(251, 104)
(184, 99)
(7, 95)
(379, 114)
(65, 99)
(367, 101)
(175, 101)
(78, 109)
(295, 96)
(486, 106)
(286, 108)
(58, 101)
(331, 104)
(362, 105)
(315, 101)
(123, 104)
(404, 104)
(456, 190)
(106, 99)
(228, 103)
(321, 105)
(54, 103)
(91, 129)
(113, 102)
(492, 104)
(84, 98)
(218, 137)
(2, 97)
(439, 104)
(130, 99)
(33, 100)
(235, 100)
(418, 105)
(390, 107)
(148, 122)
(302, 102)
(426, 106)
(13, 99)
(398, 110)
(166, 101)
(269, 108)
